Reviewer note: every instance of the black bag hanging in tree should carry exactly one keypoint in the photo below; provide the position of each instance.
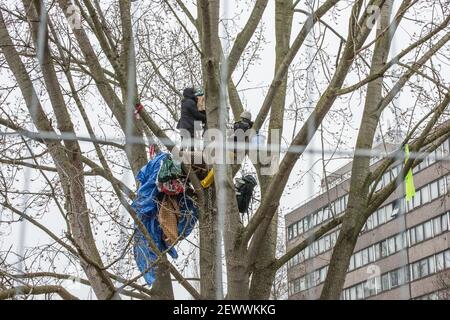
(245, 188)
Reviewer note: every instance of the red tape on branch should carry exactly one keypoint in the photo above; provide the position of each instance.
(139, 107)
(152, 151)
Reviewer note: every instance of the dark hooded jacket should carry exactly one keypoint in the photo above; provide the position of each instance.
(189, 112)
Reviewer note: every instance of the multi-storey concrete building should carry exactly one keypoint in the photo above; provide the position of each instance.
(403, 249)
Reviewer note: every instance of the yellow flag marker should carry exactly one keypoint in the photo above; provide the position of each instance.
(409, 180)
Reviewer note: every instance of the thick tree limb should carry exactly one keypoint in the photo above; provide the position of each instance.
(35, 291)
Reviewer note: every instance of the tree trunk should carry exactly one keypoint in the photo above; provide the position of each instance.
(228, 214)
(342, 253)
(263, 277)
(359, 184)
(208, 239)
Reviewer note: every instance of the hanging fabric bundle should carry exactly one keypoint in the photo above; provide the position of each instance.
(170, 178)
(160, 225)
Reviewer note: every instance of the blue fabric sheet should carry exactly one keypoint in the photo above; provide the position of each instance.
(146, 206)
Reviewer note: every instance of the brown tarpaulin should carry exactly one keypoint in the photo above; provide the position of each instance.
(168, 219)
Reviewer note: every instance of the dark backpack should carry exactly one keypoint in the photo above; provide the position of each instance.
(244, 125)
(245, 188)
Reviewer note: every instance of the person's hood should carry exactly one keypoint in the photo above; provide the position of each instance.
(189, 93)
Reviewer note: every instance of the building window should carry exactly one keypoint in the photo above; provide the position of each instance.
(447, 259)
(425, 194)
(402, 206)
(444, 221)
(395, 172)
(300, 227)
(369, 223)
(434, 190)
(394, 278)
(371, 287)
(424, 270)
(440, 264)
(351, 265)
(302, 284)
(403, 275)
(375, 219)
(314, 219)
(431, 158)
(437, 226)
(322, 245)
(358, 260)
(302, 256)
(412, 237)
(391, 245)
(381, 215)
(385, 282)
(389, 215)
(410, 204)
(333, 238)
(360, 291)
(417, 200)
(400, 241)
(347, 294)
(365, 256)
(323, 274)
(371, 254)
(431, 265)
(353, 293)
(342, 201)
(312, 249)
(377, 251)
(386, 178)
(384, 249)
(442, 187)
(396, 207)
(311, 221)
(419, 233)
(446, 147)
(338, 206)
(319, 216)
(328, 243)
(327, 213)
(416, 271)
(306, 224)
(428, 230)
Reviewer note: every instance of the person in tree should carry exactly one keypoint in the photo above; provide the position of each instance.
(240, 127)
(245, 123)
(192, 111)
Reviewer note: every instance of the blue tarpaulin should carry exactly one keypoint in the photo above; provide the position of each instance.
(146, 206)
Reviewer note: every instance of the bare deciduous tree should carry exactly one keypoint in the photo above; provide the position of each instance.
(73, 74)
